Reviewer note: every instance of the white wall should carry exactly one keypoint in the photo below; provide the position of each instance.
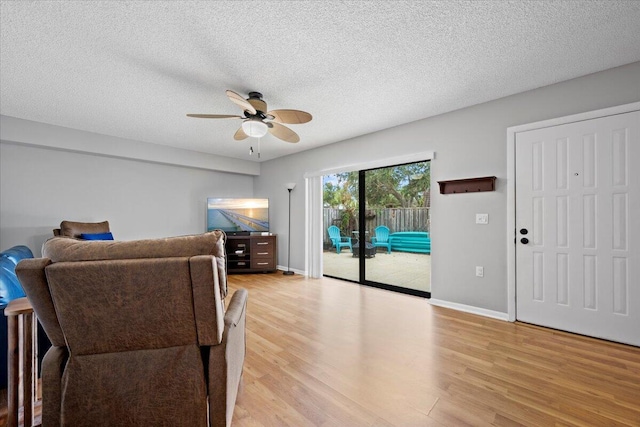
(49, 136)
(468, 143)
(39, 187)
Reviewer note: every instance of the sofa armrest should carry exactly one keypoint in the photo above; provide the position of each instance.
(32, 275)
(208, 301)
(237, 307)
(226, 361)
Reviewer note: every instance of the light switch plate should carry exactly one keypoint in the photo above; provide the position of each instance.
(479, 271)
(482, 218)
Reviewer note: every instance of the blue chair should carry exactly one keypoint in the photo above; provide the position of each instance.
(339, 241)
(16, 254)
(10, 289)
(381, 239)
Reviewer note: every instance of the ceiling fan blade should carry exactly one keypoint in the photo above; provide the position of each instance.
(214, 116)
(283, 132)
(241, 102)
(290, 116)
(240, 135)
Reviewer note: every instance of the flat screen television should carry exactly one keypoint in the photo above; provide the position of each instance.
(237, 216)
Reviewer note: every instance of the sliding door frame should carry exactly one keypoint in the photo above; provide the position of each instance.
(362, 186)
(314, 227)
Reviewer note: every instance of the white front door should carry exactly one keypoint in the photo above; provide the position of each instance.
(578, 227)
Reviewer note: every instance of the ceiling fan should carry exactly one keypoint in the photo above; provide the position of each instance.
(257, 121)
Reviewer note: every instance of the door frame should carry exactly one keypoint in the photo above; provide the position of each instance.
(511, 185)
(313, 227)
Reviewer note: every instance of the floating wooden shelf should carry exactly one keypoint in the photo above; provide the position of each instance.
(468, 185)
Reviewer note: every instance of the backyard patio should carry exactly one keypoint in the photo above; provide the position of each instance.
(404, 269)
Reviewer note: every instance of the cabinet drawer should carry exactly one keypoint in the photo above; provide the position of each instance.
(264, 244)
(262, 253)
(262, 264)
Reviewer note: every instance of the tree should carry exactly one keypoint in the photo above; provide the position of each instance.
(331, 194)
(392, 187)
(404, 186)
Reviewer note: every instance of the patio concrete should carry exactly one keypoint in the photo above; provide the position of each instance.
(404, 269)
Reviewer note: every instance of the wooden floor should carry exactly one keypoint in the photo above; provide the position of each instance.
(321, 352)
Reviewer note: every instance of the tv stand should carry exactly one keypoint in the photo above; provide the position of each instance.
(251, 254)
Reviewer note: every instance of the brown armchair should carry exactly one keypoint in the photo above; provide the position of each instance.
(139, 330)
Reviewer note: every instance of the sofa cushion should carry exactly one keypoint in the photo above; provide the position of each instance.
(61, 249)
(75, 229)
(96, 236)
(129, 304)
(68, 250)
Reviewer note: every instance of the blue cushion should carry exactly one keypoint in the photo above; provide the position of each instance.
(96, 236)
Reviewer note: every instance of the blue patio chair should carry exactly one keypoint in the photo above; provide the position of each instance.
(339, 241)
(381, 239)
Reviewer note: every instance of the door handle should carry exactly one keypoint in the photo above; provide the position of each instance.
(524, 240)
(524, 231)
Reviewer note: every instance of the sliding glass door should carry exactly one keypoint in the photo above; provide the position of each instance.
(384, 213)
(340, 211)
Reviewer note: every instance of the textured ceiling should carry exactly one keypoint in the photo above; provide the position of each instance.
(134, 69)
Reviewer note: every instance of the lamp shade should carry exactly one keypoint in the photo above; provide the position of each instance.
(254, 128)
(291, 186)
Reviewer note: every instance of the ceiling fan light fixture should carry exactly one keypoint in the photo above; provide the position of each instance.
(254, 128)
(255, 112)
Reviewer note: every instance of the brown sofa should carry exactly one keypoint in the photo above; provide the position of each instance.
(139, 330)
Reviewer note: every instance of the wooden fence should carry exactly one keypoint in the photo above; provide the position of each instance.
(397, 219)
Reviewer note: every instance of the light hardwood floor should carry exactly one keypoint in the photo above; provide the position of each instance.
(330, 353)
(321, 352)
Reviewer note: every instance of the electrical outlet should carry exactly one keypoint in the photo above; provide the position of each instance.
(479, 271)
(482, 218)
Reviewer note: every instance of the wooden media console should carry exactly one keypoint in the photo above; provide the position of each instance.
(251, 254)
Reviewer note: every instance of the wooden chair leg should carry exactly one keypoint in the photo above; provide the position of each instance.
(20, 311)
(27, 369)
(13, 357)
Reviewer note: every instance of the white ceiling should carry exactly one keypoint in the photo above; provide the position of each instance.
(133, 69)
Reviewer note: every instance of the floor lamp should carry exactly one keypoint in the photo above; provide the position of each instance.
(290, 187)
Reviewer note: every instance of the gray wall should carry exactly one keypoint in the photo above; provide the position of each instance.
(39, 187)
(468, 143)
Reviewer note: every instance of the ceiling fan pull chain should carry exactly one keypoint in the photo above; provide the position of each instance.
(259, 139)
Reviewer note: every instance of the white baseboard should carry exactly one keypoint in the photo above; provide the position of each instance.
(470, 309)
